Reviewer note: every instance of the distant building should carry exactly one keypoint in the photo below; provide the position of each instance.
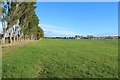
(78, 38)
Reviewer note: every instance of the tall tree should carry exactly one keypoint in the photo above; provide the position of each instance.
(21, 20)
(4, 17)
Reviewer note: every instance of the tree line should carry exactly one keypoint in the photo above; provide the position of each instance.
(19, 21)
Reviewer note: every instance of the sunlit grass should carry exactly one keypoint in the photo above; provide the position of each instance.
(50, 58)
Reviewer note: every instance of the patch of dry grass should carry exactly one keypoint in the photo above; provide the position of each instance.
(16, 43)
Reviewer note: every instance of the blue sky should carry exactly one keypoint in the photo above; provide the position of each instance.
(83, 18)
(78, 18)
(77, 0)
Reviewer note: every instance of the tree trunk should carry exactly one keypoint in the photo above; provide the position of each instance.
(24, 37)
(30, 37)
(3, 39)
(21, 37)
(14, 38)
(17, 38)
(11, 37)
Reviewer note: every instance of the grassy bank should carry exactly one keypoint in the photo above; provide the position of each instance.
(62, 59)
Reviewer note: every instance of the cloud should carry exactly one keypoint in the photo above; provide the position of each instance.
(107, 34)
(54, 31)
(51, 27)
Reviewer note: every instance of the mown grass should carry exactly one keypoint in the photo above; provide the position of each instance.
(55, 58)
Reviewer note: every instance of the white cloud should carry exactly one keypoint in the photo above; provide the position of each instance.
(107, 34)
(54, 31)
(51, 27)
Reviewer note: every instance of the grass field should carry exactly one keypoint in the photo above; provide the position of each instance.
(55, 58)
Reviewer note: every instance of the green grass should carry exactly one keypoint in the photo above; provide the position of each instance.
(55, 58)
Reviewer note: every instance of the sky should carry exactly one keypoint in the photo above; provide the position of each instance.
(77, 0)
(64, 19)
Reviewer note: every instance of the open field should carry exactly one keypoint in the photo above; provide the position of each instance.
(55, 58)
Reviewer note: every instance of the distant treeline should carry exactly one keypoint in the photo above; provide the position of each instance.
(19, 21)
(88, 37)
